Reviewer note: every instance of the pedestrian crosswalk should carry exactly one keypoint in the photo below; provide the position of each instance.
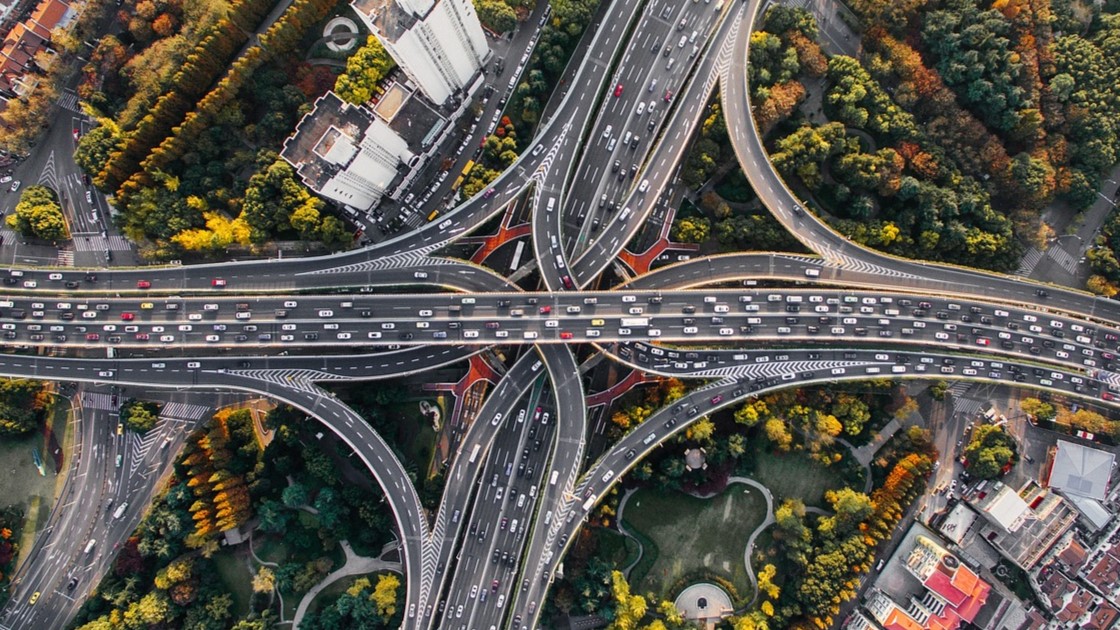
(1063, 258)
(65, 258)
(1030, 260)
(69, 101)
(184, 411)
(96, 400)
(114, 242)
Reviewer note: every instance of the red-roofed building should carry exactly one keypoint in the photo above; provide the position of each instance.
(26, 50)
(953, 593)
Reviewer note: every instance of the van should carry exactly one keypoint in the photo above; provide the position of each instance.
(90, 545)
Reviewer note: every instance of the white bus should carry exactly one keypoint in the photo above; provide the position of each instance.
(474, 453)
(555, 476)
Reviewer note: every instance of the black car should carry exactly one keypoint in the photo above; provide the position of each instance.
(72, 583)
(406, 336)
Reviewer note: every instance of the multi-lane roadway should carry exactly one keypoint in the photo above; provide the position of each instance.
(515, 493)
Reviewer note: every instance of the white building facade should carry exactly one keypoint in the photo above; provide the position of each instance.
(439, 44)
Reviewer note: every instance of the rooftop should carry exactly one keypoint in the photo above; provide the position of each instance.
(386, 17)
(1038, 519)
(1081, 470)
(324, 140)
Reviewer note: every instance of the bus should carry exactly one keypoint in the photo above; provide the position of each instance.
(433, 215)
(474, 453)
(631, 322)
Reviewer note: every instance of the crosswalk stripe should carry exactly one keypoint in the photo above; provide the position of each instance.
(1063, 258)
(1030, 259)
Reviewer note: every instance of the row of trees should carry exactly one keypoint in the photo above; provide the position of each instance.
(1069, 421)
(364, 606)
(38, 215)
(781, 51)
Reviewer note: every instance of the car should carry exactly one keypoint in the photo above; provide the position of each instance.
(14, 187)
(565, 335)
(218, 282)
(668, 95)
(72, 583)
(34, 598)
(489, 193)
(618, 90)
(143, 284)
(127, 317)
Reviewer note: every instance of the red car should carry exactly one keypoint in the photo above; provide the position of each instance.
(143, 284)
(618, 90)
(984, 341)
(127, 317)
(142, 336)
(545, 310)
(217, 282)
(668, 95)
(1107, 396)
(92, 336)
(565, 335)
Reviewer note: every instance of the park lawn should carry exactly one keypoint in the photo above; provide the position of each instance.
(331, 592)
(620, 550)
(694, 534)
(23, 486)
(235, 576)
(793, 475)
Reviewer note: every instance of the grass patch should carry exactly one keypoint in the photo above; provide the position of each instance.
(270, 549)
(328, 595)
(793, 475)
(23, 487)
(671, 520)
(236, 578)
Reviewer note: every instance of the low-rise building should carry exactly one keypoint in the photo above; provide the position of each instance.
(1023, 525)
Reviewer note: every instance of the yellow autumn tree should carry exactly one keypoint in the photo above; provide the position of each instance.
(384, 595)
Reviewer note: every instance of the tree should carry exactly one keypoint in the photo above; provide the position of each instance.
(295, 495)
(1040, 410)
(264, 581)
(496, 15)
(38, 215)
(778, 434)
(629, 609)
(23, 403)
(990, 451)
(385, 595)
(364, 70)
(138, 416)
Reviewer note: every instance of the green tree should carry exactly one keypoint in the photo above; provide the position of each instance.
(295, 495)
(1043, 411)
(990, 451)
(496, 15)
(364, 70)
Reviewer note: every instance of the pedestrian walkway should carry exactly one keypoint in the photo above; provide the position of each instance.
(65, 258)
(1064, 259)
(354, 565)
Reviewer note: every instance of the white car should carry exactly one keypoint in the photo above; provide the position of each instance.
(291, 304)
(213, 338)
(470, 334)
(55, 276)
(654, 332)
(209, 307)
(425, 312)
(374, 335)
(942, 336)
(167, 338)
(326, 313)
(194, 317)
(592, 332)
(501, 334)
(287, 337)
(623, 332)
(105, 374)
(288, 327)
(691, 330)
(343, 336)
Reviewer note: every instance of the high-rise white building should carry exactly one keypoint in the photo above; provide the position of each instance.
(439, 44)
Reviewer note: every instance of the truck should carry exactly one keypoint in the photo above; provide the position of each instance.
(635, 322)
(589, 503)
